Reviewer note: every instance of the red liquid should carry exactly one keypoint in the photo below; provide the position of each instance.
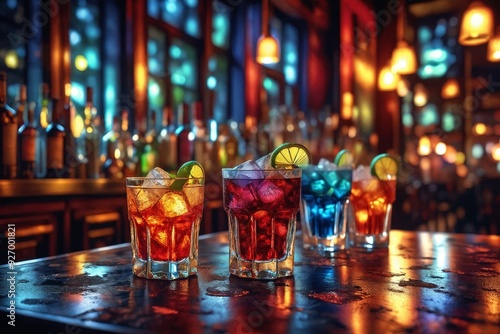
(260, 212)
(170, 237)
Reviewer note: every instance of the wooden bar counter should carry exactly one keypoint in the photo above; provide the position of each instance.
(423, 283)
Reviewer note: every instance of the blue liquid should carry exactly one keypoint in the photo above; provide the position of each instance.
(324, 193)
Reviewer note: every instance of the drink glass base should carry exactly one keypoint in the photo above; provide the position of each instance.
(272, 269)
(370, 241)
(166, 270)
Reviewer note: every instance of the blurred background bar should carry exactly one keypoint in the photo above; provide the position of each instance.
(94, 91)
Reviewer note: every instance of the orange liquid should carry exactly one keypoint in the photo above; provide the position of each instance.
(370, 200)
(170, 235)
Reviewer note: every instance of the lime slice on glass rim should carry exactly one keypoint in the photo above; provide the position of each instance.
(344, 158)
(289, 155)
(189, 170)
(384, 167)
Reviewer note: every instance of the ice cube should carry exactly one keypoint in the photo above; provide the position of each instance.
(248, 170)
(270, 193)
(147, 198)
(361, 173)
(156, 178)
(326, 164)
(264, 162)
(173, 204)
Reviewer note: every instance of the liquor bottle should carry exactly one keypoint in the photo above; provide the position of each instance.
(167, 142)
(21, 106)
(233, 146)
(139, 142)
(71, 160)
(264, 145)
(113, 166)
(55, 142)
(129, 165)
(92, 138)
(41, 140)
(27, 135)
(185, 137)
(149, 158)
(8, 134)
(200, 133)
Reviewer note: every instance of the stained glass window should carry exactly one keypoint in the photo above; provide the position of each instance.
(157, 55)
(182, 14)
(220, 25)
(13, 45)
(288, 66)
(217, 84)
(438, 47)
(93, 63)
(85, 42)
(183, 70)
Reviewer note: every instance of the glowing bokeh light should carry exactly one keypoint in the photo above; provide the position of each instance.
(81, 63)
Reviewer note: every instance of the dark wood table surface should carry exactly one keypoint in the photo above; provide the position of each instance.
(424, 283)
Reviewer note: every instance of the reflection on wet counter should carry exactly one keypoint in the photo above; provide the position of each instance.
(422, 282)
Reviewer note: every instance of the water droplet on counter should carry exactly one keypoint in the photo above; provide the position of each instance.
(417, 283)
(341, 296)
(226, 292)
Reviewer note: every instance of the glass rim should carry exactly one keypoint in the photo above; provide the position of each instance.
(259, 170)
(329, 169)
(143, 178)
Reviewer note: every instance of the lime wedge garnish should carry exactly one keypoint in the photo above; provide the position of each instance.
(189, 170)
(289, 155)
(344, 158)
(384, 167)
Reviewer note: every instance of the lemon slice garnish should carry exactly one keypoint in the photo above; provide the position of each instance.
(289, 155)
(384, 167)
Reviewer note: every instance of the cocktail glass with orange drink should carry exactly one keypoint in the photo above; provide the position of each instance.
(164, 212)
(372, 196)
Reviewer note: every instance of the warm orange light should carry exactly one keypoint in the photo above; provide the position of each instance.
(493, 53)
(440, 148)
(424, 146)
(480, 129)
(421, 95)
(268, 50)
(403, 87)
(460, 158)
(477, 24)
(495, 152)
(450, 155)
(404, 59)
(451, 89)
(347, 104)
(462, 170)
(387, 79)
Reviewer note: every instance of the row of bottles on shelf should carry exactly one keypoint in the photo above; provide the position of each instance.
(56, 146)
(61, 148)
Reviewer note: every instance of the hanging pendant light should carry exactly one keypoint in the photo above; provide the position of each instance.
(493, 53)
(477, 24)
(387, 79)
(268, 50)
(404, 58)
